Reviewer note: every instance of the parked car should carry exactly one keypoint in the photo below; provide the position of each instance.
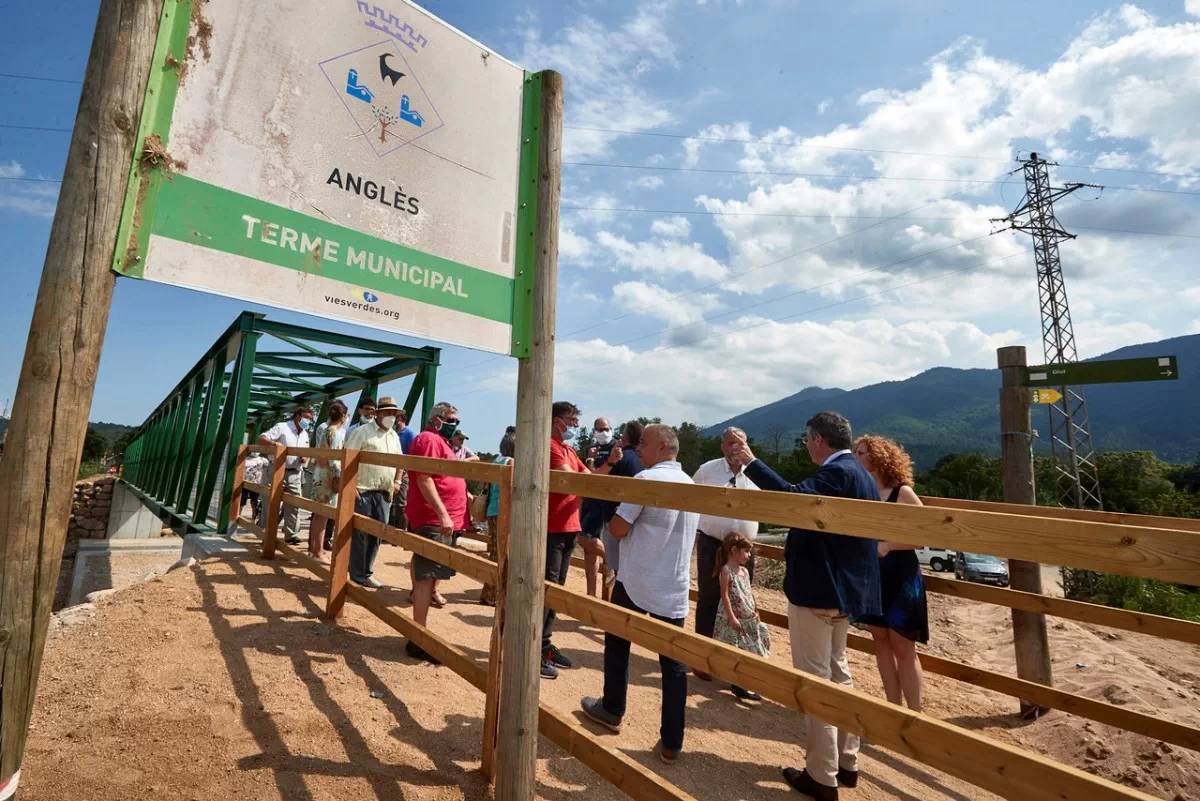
(981, 569)
(939, 559)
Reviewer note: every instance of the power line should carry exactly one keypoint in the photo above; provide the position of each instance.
(772, 143)
(819, 175)
(31, 180)
(864, 296)
(786, 215)
(35, 128)
(37, 78)
(744, 272)
(779, 173)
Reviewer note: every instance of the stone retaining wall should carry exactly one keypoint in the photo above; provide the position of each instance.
(90, 509)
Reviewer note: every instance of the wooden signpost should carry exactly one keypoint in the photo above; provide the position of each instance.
(335, 209)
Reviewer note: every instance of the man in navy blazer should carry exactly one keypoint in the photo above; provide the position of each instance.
(829, 578)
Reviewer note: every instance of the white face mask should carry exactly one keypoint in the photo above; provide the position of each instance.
(388, 421)
(603, 437)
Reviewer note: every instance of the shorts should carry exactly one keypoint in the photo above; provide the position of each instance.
(425, 568)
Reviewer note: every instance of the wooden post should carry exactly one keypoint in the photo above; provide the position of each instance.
(339, 568)
(1016, 454)
(62, 355)
(271, 532)
(239, 478)
(516, 777)
(491, 708)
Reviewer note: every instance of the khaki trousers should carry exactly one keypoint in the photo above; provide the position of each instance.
(818, 638)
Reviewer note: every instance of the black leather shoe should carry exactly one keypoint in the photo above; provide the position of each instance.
(801, 782)
(847, 778)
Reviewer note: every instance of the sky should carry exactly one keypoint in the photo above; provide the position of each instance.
(706, 266)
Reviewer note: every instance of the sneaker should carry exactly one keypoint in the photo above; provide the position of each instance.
(594, 709)
(417, 652)
(549, 671)
(745, 695)
(557, 657)
(801, 782)
(293, 540)
(370, 582)
(668, 755)
(847, 778)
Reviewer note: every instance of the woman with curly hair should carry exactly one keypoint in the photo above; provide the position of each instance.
(905, 618)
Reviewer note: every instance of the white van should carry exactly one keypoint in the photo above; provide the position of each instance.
(939, 560)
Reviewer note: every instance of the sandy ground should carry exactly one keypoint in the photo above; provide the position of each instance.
(222, 682)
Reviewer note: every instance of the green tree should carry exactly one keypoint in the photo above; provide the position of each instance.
(94, 445)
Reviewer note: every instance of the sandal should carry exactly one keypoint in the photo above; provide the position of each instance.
(438, 601)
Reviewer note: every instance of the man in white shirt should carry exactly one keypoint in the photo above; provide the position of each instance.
(293, 434)
(654, 577)
(713, 529)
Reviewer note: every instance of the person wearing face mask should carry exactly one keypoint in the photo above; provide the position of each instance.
(293, 434)
(563, 526)
(612, 458)
(436, 510)
(376, 485)
(366, 414)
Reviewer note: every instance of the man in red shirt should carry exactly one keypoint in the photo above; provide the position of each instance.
(562, 526)
(435, 511)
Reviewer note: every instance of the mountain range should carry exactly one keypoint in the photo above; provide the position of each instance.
(948, 410)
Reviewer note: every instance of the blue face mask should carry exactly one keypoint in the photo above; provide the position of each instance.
(305, 423)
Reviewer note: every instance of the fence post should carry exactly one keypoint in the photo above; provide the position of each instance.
(1016, 453)
(339, 567)
(239, 478)
(516, 779)
(271, 533)
(495, 653)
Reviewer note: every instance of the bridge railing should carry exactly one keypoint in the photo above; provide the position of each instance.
(998, 767)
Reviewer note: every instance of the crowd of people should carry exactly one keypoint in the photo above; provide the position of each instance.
(831, 581)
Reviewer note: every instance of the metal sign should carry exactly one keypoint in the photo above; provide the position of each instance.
(1155, 368)
(1045, 396)
(353, 160)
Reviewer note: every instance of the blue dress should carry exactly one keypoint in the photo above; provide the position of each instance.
(902, 594)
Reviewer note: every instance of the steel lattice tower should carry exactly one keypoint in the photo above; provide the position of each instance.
(1070, 433)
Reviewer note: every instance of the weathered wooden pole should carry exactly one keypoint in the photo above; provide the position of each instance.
(1016, 453)
(516, 776)
(62, 354)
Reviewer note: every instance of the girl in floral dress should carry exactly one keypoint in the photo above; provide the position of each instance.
(737, 621)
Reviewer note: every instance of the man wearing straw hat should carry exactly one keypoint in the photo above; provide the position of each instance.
(376, 484)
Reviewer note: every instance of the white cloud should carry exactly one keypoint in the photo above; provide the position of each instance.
(672, 226)
(647, 182)
(824, 105)
(665, 257)
(37, 199)
(753, 361)
(1118, 159)
(607, 68)
(656, 301)
(572, 247)
(1192, 7)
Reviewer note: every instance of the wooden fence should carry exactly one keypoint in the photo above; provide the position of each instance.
(997, 767)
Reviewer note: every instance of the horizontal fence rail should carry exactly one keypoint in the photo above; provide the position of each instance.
(1165, 554)
(998, 767)
(1061, 513)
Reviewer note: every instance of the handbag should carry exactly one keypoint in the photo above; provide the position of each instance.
(478, 507)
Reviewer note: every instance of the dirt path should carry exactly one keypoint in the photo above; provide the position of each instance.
(222, 682)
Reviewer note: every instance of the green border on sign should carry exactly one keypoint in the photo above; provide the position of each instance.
(147, 178)
(527, 206)
(162, 86)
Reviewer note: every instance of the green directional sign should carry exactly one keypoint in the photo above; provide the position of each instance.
(1115, 371)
